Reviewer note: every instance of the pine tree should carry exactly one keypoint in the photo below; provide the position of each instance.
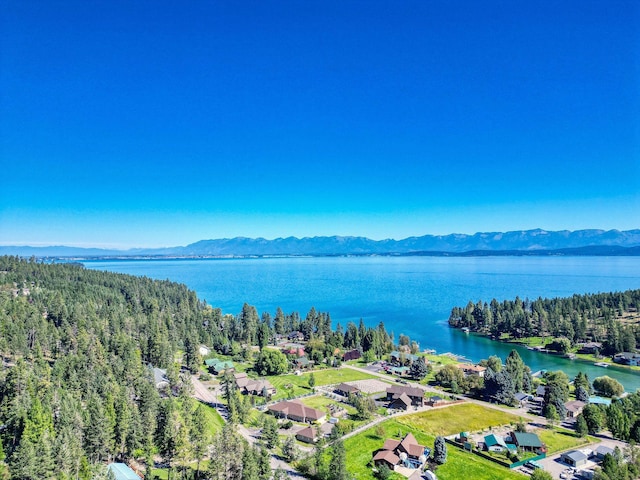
(440, 450)
(337, 464)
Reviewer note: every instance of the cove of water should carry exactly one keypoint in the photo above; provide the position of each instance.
(411, 295)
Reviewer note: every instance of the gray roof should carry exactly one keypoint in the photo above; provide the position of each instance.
(575, 455)
(160, 375)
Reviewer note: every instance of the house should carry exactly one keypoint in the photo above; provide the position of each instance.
(204, 350)
(403, 402)
(351, 355)
(415, 394)
(529, 442)
(627, 358)
(217, 366)
(522, 397)
(496, 443)
(121, 471)
(406, 452)
(470, 370)
(249, 386)
(345, 389)
(589, 347)
(574, 408)
(295, 336)
(301, 363)
(160, 378)
(403, 358)
(308, 435)
(574, 458)
(297, 411)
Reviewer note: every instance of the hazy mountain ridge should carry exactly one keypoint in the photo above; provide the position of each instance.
(482, 243)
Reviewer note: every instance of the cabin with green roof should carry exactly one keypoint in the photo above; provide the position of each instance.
(217, 366)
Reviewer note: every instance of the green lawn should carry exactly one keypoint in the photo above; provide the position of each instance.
(214, 420)
(558, 440)
(300, 383)
(322, 403)
(460, 465)
(464, 417)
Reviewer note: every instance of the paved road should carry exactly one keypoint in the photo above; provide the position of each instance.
(202, 393)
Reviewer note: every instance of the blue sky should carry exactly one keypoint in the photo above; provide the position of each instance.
(156, 123)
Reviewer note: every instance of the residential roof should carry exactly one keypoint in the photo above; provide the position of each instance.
(492, 439)
(390, 444)
(410, 391)
(411, 446)
(160, 375)
(467, 367)
(388, 456)
(435, 398)
(575, 455)
(520, 396)
(257, 386)
(541, 390)
(308, 432)
(345, 387)
(574, 405)
(402, 398)
(297, 409)
(524, 439)
(407, 356)
(122, 471)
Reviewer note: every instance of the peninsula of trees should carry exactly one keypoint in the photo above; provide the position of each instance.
(607, 319)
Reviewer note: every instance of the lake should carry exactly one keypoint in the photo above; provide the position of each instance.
(411, 295)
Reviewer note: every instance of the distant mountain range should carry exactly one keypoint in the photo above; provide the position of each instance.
(527, 242)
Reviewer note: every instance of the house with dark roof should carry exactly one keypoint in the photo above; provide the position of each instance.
(406, 453)
(627, 358)
(351, 355)
(435, 401)
(589, 347)
(297, 411)
(403, 402)
(345, 389)
(529, 442)
(415, 394)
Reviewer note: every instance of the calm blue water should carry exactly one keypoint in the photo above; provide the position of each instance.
(411, 295)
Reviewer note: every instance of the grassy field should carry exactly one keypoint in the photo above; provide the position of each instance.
(300, 383)
(464, 417)
(558, 440)
(459, 465)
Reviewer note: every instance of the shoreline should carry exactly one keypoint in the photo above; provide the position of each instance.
(579, 357)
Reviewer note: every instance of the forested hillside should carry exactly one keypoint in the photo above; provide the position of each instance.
(76, 388)
(610, 318)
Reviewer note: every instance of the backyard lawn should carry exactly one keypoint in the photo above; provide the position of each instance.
(464, 417)
(459, 464)
(300, 383)
(558, 440)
